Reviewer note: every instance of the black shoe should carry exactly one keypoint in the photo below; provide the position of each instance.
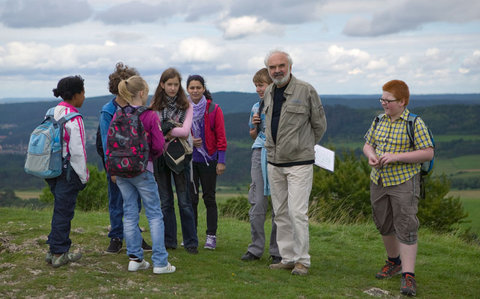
(145, 246)
(115, 246)
(275, 259)
(249, 257)
(192, 250)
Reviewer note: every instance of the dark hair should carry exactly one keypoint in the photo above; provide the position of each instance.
(200, 79)
(122, 72)
(159, 99)
(69, 86)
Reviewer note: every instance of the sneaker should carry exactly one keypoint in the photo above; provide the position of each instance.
(145, 246)
(275, 259)
(408, 286)
(287, 266)
(192, 250)
(249, 257)
(49, 257)
(135, 265)
(300, 269)
(211, 242)
(115, 246)
(65, 258)
(181, 244)
(389, 270)
(169, 268)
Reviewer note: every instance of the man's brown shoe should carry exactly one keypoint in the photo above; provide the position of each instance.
(300, 269)
(281, 265)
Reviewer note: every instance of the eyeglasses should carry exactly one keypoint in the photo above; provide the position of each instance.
(385, 101)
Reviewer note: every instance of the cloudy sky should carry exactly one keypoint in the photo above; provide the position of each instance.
(339, 46)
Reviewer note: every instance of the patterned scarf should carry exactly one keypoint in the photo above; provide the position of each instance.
(198, 124)
(172, 112)
(198, 114)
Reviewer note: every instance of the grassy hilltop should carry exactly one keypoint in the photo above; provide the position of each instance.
(344, 261)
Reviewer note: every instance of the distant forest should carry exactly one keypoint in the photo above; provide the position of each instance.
(346, 123)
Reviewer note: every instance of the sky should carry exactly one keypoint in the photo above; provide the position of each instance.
(338, 46)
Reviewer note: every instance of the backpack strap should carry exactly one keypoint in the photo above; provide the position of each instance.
(411, 128)
(377, 119)
(212, 111)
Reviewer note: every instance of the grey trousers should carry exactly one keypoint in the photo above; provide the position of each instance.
(258, 211)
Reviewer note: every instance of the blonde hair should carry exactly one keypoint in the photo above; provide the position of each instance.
(129, 88)
(262, 76)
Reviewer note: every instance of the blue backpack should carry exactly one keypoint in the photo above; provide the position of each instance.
(45, 148)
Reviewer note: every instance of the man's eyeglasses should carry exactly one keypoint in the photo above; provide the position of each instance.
(385, 101)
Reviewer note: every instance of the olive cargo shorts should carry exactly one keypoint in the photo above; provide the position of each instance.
(395, 209)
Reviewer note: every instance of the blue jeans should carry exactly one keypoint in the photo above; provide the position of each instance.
(144, 186)
(115, 209)
(163, 176)
(65, 189)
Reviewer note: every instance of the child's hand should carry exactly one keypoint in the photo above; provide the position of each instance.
(197, 142)
(256, 119)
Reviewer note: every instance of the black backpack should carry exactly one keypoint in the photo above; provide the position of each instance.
(127, 145)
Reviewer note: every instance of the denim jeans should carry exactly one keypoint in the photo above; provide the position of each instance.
(207, 177)
(115, 209)
(65, 189)
(163, 176)
(144, 186)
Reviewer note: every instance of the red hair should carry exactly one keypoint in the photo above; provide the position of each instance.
(398, 89)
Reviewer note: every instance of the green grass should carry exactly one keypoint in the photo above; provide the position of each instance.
(469, 165)
(344, 261)
(448, 138)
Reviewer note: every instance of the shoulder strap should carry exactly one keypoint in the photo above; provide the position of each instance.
(212, 109)
(377, 119)
(411, 128)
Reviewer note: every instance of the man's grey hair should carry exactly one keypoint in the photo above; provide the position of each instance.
(275, 51)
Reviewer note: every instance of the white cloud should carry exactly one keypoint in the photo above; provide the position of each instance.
(404, 15)
(247, 25)
(195, 50)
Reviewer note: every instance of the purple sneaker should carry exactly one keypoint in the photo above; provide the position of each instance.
(211, 242)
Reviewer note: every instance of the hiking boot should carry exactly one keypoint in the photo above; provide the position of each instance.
(389, 270)
(115, 246)
(211, 242)
(249, 257)
(408, 286)
(192, 250)
(300, 269)
(65, 258)
(49, 257)
(169, 268)
(275, 259)
(136, 264)
(288, 266)
(145, 246)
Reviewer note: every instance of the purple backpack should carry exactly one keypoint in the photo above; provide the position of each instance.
(127, 145)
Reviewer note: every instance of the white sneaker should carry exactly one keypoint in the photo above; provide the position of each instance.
(135, 266)
(169, 268)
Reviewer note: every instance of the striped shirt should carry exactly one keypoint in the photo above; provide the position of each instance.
(392, 137)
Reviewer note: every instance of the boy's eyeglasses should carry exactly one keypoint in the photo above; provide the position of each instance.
(385, 101)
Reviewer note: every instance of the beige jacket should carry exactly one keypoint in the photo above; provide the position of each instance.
(302, 123)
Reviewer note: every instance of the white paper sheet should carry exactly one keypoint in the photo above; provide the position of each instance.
(324, 157)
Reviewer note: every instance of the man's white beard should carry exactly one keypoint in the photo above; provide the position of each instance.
(281, 82)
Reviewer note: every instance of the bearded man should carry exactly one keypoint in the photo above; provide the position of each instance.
(295, 122)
